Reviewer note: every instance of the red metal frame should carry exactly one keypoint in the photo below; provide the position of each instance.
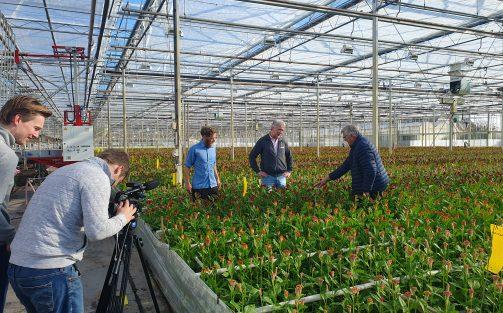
(77, 120)
(68, 52)
(64, 52)
(51, 161)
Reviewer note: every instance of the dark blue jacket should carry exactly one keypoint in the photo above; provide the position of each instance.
(272, 162)
(367, 171)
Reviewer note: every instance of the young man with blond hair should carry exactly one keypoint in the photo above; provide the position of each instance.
(21, 119)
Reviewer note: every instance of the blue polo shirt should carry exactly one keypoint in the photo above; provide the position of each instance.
(203, 160)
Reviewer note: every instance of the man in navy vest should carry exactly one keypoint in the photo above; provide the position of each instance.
(203, 158)
(367, 171)
(275, 157)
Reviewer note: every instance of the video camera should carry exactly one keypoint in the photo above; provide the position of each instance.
(135, 193)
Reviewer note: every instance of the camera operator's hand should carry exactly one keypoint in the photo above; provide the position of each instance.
(128, 210)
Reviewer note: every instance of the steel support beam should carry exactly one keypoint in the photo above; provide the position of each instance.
(178, 94)
(124, 114)
(375, 77)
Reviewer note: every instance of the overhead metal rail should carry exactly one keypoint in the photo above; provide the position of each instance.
(276, 83)
(382, 18)
(209, 65)
(277, 31)
(422, 8)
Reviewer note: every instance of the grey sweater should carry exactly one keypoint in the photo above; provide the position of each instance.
(70, 206)
(8, 163)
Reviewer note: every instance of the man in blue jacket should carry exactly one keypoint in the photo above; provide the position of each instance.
(367, 171)
(275, 157)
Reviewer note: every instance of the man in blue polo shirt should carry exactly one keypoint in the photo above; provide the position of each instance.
(203, 158)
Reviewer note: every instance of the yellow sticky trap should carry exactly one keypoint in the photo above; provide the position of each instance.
(496, 260)
(157, 163)
(245, 186)
(126, 302)
(173, 179)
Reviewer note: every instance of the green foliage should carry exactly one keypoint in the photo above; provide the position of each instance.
(287, 244)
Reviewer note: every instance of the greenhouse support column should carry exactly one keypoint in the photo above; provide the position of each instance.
(232, 117)
(178, 90)
(318, 117)
(108, 125)
(488, 128)
(375, 78)
(451, 125)
(425, 123)
(422, 133)
(395, 137)
(434, 123)
(186, 123)
(300, 128)
(501, 123)
(255, 127)
(142, 137)
(124, 127)
(157, 135)
(340, 133)
(246, 128)
(390, 121)
(469, 127)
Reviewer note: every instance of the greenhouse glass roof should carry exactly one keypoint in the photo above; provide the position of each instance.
(267, 57)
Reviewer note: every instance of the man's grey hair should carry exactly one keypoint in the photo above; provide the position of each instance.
(277, 123)
(350, 130)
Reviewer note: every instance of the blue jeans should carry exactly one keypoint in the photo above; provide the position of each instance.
(57, 290)
(274, 181)
(4, 280)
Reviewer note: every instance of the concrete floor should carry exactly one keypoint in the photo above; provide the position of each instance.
(94, 268)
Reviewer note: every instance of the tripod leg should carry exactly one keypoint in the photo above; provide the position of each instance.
(125, 272)
(141, 309)
(109, 301)
(108, 287)
(146, 271)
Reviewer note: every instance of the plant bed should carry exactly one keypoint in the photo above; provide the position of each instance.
(266, 248)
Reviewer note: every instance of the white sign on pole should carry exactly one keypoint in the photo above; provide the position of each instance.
(77, 143)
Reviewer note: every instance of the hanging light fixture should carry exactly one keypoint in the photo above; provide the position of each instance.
(347, 49)
(413, 55)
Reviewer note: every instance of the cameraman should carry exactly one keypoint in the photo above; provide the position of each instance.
(70, 206)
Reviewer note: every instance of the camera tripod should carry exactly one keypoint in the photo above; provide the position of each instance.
(112, 298)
